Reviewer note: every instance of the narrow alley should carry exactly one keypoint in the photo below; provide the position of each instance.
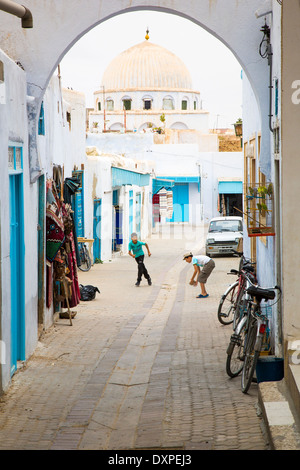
(141, 368)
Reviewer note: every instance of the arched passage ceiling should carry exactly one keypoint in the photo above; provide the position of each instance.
(58, 25)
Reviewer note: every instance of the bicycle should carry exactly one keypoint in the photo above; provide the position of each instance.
(228, 310)
(84, 257)
(235, 349)
(255, 331)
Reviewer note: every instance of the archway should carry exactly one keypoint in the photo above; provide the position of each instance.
(41, 50)
(178, 125)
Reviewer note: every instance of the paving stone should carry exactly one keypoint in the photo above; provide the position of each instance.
(143, 369)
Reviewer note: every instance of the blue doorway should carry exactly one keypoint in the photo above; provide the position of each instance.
(78, 204)
(130, 213)
(138, 214)
(180, 203)
(97, 229)
(17, 254)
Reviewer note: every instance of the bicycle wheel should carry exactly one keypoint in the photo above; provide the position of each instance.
(235, 352)
(251, 357)
(227, 305)
(85, 259)
(240, 307)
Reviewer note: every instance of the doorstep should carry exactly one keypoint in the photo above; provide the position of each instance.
(279, 414)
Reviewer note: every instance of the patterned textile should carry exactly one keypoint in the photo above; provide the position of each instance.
(71, 261)
(55, 235)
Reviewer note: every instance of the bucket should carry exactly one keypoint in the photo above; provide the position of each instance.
(269, 369)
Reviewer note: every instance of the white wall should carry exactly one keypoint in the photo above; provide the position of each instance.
(62, 144)
(13, 128)
(98, 184)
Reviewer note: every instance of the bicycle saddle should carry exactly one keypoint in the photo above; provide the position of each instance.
(260, 293)
(249, 268)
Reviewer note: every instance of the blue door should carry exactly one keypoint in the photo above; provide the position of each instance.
(17, 253)
(97, 228)
(130, 213)
(138, 214)
(119, 225)
(78, 205)
(41, 248)
(180, 203)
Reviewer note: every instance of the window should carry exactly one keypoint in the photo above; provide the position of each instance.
(99, 105)
(41, 130)
(110, 105)
(184, 105)
(147, 104)
(276, 135)
(1, 72)
(276, 97)
(11, 158)
(226, 226)
(195, 105)
(168, 103)
(69, 119)
(2, 84)
(127, 105)
(15, 158)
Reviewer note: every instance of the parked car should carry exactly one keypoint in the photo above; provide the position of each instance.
(224, 234)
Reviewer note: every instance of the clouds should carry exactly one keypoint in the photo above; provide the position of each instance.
(215, 71)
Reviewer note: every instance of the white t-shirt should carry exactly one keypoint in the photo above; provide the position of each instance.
(200, 260)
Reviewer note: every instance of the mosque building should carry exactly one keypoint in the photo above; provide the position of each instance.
(148, 88)
(145, 87)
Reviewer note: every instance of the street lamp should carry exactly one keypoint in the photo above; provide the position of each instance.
(238, 128)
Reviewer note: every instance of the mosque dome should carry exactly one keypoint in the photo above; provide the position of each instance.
(147, 66)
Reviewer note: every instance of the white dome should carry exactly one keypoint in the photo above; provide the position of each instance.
(147, 66)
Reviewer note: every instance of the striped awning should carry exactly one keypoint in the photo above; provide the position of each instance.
(122, 177)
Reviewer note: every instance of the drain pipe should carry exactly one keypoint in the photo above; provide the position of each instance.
(18, 10)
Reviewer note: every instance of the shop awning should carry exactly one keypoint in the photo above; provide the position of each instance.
(230, 187)
(170, 181)
(158, 184)
(122, 177)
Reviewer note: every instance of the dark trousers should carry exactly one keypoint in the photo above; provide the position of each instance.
(141, 268)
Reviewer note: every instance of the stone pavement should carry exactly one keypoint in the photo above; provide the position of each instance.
(141, 368)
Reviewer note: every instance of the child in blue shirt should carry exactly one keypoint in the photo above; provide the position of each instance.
(135, 250)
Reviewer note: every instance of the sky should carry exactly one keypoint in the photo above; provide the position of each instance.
(214, 70)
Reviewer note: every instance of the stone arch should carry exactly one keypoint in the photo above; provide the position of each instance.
(34, 45)
(178, 125)
(116, 126)
(147, 126)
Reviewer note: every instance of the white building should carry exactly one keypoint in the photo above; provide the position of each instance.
(142, 84)
(138, 87)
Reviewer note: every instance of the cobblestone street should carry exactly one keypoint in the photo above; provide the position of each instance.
(141, 368)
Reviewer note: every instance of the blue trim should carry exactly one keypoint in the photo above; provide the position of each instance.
(230, 187)
(41, 130)
(130, 213)
(17, 263)
(78, 204)
(169, 182)
(121, 177)
(180, 179)
(97, 228)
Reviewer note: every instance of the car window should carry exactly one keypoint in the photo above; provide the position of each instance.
(226, 226)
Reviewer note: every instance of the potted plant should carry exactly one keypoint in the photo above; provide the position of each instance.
(95, 126)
